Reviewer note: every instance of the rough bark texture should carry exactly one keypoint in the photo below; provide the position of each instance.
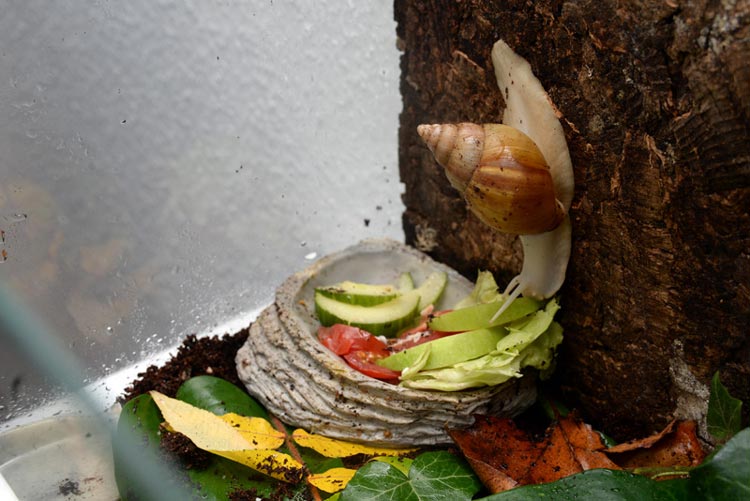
(655, 103)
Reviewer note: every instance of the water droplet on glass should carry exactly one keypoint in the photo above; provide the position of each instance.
(15, 218)
(303, 243)
(109, 329)
(311, 256)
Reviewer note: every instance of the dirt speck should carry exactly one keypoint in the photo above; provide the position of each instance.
(69, 487)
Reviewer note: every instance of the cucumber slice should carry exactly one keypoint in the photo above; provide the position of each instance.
(384, 319)
(360, 294)
(432, 288)
(479, 315)
(405, 282)
(449, 350)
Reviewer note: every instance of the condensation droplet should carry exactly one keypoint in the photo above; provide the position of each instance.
(311, 256)
(15, 218)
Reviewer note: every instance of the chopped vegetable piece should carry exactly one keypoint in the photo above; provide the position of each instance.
(531, 343)
(359, 348)
(383, 319)
(365, 362)
(431, 289)
(448, 350)
(478, 316)
(359, 294)
(342, 339)
(405, 282)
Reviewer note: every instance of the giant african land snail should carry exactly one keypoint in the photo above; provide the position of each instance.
(516, 177)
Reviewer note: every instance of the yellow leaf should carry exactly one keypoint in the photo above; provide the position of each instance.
(332, 448)
(206, 430)
(257, 431)
(332, 480)
(222, 436)
(273, 463)
(402, 464)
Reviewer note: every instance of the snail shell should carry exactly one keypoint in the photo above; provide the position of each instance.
(501, 174)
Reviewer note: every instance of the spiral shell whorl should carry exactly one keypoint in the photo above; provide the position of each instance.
(500, 173)
(456, 147)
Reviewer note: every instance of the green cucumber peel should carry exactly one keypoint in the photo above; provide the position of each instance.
(431, 289)
(362, 294)
(358, 293)
(383, 319)
(522, 334)
(447, 351)
(405, 282)
(478, 316)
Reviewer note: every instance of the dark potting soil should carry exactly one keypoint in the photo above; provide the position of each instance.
(212, 356)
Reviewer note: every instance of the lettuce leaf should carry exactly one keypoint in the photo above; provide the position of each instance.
(485, 291)
(531, 342)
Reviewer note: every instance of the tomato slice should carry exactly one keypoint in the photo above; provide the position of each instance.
(342, 339)
(359, 348)
(416, 338)
(364, 362)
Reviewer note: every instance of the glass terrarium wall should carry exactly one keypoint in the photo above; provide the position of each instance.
(165, 165)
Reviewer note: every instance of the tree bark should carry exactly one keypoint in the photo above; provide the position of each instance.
(655, 103)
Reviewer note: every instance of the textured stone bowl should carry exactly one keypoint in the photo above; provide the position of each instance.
(299, 380)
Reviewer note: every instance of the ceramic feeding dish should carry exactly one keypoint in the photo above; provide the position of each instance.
(299, 380)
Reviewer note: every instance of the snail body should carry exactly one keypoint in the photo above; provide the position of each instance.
(516, 177)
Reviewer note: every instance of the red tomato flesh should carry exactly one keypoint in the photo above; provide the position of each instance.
(361, 349)
(364, 362)
(342, 339)
(416, 338)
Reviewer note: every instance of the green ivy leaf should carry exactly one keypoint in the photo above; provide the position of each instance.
(724, 416)
(602, 485)
(727, 474)
(219, 396)
(139, 418)
(433, 475)
(403, 464)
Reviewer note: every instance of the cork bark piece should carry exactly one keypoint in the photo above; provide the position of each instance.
(653, 99)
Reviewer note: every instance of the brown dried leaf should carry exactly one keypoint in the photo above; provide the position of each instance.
(503, 456)
(587, 444)
(571, 447)
(498, 452)
(642, 443)
(676, 445)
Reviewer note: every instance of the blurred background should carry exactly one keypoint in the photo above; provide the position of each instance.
(165, 165)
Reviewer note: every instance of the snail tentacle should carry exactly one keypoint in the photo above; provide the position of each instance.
(511, 293)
